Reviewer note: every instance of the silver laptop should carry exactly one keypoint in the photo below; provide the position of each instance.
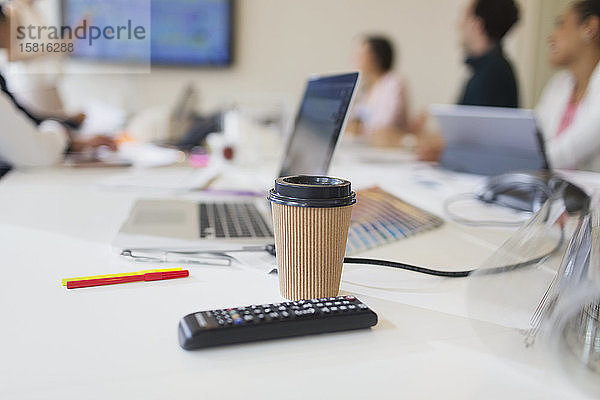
(489, 140)
(219, 224)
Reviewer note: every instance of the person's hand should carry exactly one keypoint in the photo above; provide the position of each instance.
(418, 124)
(79, 145)
(388, 137)
(353, 127)
(430, 147)
(74, 121)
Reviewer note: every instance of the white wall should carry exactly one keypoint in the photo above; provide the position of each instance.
(280, 42)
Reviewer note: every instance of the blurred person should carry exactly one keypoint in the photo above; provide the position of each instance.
(568, 112)
(381, 110)
(482, 28)
(33, 76)
(27, 140)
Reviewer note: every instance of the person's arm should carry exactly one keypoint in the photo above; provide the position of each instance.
(22, 144)
(579, 143)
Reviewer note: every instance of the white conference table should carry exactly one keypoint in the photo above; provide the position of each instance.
(120, 341)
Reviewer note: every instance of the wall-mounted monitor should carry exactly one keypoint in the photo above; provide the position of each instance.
(182, 32)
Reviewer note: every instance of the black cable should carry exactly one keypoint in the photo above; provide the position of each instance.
(457, 274)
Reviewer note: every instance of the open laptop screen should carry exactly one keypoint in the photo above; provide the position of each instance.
(489, 140)
(319, 122)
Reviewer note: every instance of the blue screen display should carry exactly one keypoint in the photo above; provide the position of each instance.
(182, 32)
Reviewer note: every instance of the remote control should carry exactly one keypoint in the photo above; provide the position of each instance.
(271, 321)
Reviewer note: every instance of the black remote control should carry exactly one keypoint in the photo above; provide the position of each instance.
(270, 321)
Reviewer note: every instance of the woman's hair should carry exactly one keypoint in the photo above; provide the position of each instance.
(382, 50)
(586, 9)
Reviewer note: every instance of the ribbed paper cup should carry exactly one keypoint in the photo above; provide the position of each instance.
(310, 236)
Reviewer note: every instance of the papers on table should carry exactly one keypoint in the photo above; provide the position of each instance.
(168, 179)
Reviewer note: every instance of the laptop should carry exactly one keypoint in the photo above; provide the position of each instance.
(223, 223)
(489, 140)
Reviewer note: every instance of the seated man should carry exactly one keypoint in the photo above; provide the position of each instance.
(482, 28)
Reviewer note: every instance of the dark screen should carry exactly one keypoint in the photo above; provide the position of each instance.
(318, 125)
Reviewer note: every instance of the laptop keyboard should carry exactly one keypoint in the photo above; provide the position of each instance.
(232, 220)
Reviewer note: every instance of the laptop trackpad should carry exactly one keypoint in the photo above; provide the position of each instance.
(167, 218)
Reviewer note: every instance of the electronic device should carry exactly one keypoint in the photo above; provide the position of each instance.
(309, 151)
(181, 32)
(271, 321)
(489, 140)
(529, 191)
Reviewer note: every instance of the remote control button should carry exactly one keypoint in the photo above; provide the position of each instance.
(345, 302)
(267, 310)
(334, 309)
(261, 316)
(248, 318)
(351, 307)
(307, 306)
(325, 310)
(274, 315)
(350, 298)
(281, 308)
(276, 304)
(320, 305)
(323, 299)
(332, 298)
(298, 313)
(343, 308)
(285, 314)
(295, 307)
(337, 303)
(362, 306)
(238, 321)
(329, 304)
(314, 301)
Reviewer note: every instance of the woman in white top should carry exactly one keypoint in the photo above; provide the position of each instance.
(569, 109)
(380, 110)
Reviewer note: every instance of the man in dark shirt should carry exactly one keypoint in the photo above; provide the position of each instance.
(492, 83)
(483, 26)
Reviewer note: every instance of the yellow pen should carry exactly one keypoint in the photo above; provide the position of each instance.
(84, 278)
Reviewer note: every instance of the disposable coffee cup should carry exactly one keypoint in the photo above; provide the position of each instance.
(311, 217)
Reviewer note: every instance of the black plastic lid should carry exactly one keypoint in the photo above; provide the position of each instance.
(312, 191)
